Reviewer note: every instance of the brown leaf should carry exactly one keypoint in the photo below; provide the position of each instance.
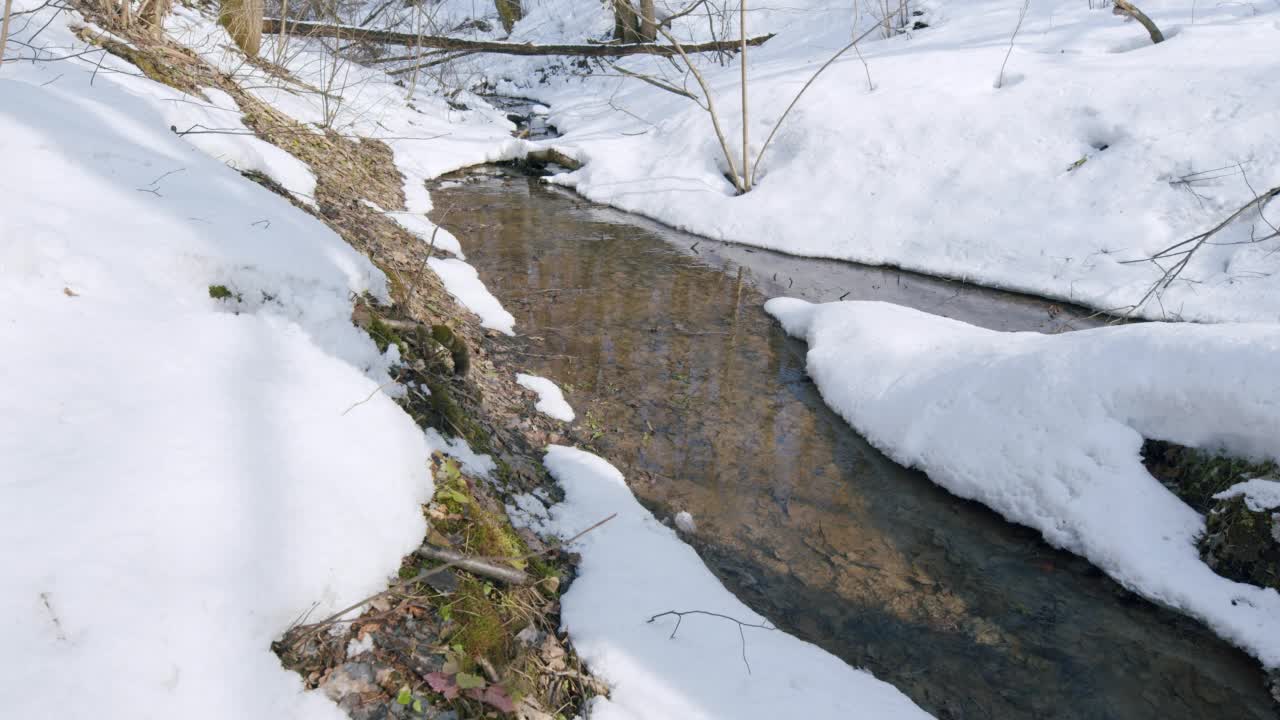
(493, 696)
(443, 684)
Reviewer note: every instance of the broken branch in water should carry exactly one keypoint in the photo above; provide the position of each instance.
(680, 618)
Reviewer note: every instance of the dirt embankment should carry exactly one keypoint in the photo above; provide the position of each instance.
(443, 641)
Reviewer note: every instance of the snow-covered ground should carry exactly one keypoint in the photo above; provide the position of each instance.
(183, 476)
(1047, 430)
(1100, 148)
(186, 475)
(633, 568)
(196, 449)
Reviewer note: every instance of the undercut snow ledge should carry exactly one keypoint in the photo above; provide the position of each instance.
(1047, 429)
(635, 567)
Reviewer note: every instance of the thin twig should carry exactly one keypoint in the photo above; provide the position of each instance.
(1022, 15)
(680, 618)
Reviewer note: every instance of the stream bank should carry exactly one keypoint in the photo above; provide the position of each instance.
(680, 380)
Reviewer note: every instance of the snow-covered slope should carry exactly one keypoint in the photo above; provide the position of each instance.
(1047, 429)
(1100, 148)
(180, 478)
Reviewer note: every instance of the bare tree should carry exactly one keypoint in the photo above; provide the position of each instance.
(4, 27)
(1022, 15)
(648, 21)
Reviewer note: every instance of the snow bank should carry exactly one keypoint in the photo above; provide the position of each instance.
(1047, 429)
(634, 567)
(183, 476)
(1100, 148)
(428, 134)
(463, 283)
(551, 401)
(218, 130)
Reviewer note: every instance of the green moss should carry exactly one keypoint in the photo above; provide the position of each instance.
(456, 346)
(220, 292)
(493, 536)
(1241, 544)
(509, 11)
(1196, 475)
(483, 631)
(1238, 543)
(384, 336)
(450, 417)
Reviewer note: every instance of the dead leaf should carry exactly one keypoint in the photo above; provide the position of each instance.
(443, 684)
(493, 696)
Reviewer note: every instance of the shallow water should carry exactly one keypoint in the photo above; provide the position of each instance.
(681, 380)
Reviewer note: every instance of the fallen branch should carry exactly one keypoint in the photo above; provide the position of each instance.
(316, 30)
(1187, 249)
(477, 566)
(337, 617)
(1128, 9)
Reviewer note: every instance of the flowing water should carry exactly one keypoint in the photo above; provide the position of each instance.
(681, 380)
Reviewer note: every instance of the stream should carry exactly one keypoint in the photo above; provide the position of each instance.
(681, 380)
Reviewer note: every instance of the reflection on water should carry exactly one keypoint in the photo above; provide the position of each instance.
(681, 380)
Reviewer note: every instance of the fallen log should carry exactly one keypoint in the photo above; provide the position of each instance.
(440, 42)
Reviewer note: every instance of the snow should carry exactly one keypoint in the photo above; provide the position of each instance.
(551, 401)
(464, 284)
(937, 171)
(1259, 494)
(1047, 431)
(360, 646)
(217, 130)
(458, 449)
(428, 136)
(634, 567)
(184, 477)
(684, 522)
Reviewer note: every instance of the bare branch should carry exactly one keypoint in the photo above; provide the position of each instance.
(679, 615)
(1124, 7)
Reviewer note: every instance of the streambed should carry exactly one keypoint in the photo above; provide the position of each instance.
(681, 380)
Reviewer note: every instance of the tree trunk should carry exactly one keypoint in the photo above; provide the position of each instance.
(509, 11)
(626, 22)
(648, 22)
(243, 21)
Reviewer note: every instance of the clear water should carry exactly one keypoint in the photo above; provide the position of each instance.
(681, 380)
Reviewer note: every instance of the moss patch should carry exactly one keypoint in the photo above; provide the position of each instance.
(1197, 475)
(1238, 543)
(220, 292)
(167, 66)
